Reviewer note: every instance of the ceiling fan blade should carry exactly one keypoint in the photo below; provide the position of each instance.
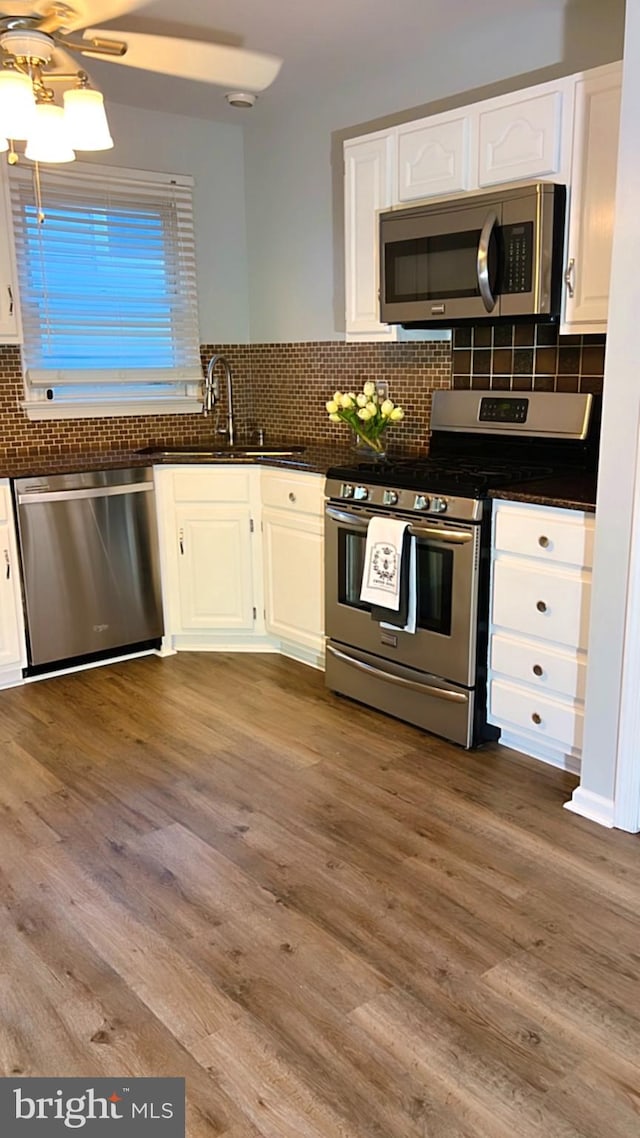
(95, 12)
(191, 59)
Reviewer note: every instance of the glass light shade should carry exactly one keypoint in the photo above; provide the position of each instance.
(17, 105)
(48, 140)
(85, 120)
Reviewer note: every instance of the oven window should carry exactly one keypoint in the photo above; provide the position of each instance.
(434, 570)
(351, 549)
(442, 267)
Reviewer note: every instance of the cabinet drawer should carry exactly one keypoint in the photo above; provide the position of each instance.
(548, 669)
(555, 720)
(221, 485)
(546, 603)
(551, 535)
(303, 493)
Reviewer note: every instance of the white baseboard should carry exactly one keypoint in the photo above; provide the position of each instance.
(310, 656)
(595, 807)
(11, 677)
(560, 759)
(91, 664)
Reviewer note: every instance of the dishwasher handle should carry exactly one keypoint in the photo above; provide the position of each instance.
(35, 496)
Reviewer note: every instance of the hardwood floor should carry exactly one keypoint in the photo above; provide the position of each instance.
(331, 924)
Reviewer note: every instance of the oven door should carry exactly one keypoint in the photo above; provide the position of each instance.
(446, 585)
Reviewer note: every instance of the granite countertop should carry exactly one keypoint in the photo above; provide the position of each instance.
(566, 491)
(313, 460)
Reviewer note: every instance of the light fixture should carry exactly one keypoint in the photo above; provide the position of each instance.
(85, 120)
(240, 99)
(28, 110)
(17, 104)
(48, 141)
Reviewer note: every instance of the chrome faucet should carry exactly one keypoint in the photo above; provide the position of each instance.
(212, 394)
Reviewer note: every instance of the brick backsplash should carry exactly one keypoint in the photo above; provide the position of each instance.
(526, 357)
(283, 388)
(290, 384)
(280, 387)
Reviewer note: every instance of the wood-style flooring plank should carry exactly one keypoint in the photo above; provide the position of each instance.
(331, 924)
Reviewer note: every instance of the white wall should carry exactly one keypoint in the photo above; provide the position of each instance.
(293, 201)
(612, 745)
(214, 154)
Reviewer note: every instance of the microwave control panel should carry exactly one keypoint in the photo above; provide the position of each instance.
(517, 243)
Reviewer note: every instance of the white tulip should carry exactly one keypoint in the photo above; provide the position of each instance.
(364, 414)
(347, 401)
(337, 397)
(397, 414)
(369, 389)
(335, 418)
(372, 409)
(352, 395)
(361, 400)
(387, 408)
(331, 406)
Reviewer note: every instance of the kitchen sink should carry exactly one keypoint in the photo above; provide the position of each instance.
(231, 454)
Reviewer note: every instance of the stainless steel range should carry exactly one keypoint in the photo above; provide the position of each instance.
(435, 677)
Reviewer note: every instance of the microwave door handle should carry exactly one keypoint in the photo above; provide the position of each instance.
(488, 299)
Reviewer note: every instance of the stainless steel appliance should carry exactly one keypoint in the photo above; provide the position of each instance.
(436, 677)
(482, 256)
(89, 551)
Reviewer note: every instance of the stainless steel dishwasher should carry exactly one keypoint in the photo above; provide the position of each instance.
(90, 565)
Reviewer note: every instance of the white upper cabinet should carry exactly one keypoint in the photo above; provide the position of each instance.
(434, 155)
(10, 328)
(524, 138)
(565, 131)
(593, 192)
(369, 187)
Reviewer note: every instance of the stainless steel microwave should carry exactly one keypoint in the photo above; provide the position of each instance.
(479, 257)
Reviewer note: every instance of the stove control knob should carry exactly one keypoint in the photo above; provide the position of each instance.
(390, 498)
(438, 505)
(346, 491)
(421, 502)
(361, 493)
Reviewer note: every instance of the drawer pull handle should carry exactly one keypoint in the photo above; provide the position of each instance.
(541, 606)
(537, 719)
(292, 497)
(537, 670)
(543, 540)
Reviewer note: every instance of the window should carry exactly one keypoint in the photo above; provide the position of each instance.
(107, 290)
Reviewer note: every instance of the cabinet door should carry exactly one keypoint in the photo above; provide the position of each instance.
(10, 329)
(10, 638)
(521, 137)
(214, 566)
(433, 156)
(368, 188)
(294, 577)
(593, 192)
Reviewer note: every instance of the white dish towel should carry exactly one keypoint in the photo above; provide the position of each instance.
(383, 563)
(412, 613)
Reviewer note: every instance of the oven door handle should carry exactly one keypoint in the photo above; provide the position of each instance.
(454, 536)
(484, 284)
(360, 521)
(425, 689)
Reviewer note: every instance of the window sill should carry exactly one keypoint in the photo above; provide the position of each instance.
(94, 410)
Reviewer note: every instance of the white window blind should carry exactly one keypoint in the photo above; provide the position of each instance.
(107, 279)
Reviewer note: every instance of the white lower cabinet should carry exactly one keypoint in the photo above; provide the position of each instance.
(210, 555)
(540, 595)
(293, 549)
(13, 655)
(242, 559)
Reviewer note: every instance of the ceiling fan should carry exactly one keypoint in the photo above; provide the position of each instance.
(57, 24)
